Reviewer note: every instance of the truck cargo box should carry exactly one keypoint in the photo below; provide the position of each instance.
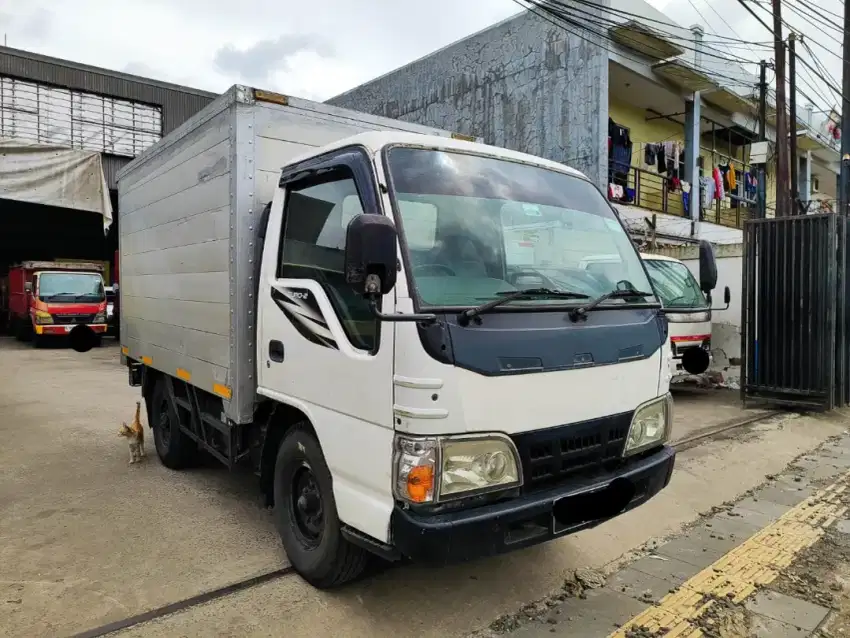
(189, 213)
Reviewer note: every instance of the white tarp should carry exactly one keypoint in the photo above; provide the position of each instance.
(55, 176)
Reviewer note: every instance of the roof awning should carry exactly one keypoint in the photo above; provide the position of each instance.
(685, 76)
(730, 101)
(54, 176)
(638, 37)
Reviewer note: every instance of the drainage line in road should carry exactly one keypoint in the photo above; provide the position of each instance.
(194, 601)
(688, 442)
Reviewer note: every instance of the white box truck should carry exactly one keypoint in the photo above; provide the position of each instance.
(333, 298)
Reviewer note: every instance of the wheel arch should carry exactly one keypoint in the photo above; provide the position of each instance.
(277, 420)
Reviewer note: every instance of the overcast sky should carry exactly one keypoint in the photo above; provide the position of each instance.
(313, 49)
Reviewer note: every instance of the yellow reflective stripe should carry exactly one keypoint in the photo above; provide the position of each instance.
(223, 391)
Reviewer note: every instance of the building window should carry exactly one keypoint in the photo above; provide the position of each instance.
(50, 115)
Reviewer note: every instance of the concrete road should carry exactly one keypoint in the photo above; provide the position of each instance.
(86, 539)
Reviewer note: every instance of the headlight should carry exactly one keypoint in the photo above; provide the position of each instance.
(688, 317)
(651, 425)
(99, 318)
(430, 470)
(42, 317)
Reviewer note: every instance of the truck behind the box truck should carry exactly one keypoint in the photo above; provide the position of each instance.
(358, 318)
(55, 299)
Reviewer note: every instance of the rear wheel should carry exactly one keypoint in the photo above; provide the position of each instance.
(23, 330)
(306, 517)
(176, 450)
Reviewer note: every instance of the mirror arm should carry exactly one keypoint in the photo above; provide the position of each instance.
(373, 306)
(718, 309)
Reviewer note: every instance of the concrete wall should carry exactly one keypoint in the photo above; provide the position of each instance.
(524, 84)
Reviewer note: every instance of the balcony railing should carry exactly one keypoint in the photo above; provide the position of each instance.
(657, 193)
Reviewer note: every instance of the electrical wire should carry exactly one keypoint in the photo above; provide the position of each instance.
(723, 20)
(552, 15)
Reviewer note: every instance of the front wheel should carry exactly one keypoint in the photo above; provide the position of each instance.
(176, 450)
(306, 517)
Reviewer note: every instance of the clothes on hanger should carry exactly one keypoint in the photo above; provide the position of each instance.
(733, 181)
(707, 187)
(619, 154)
(686, 197)
(649, 155)
(719, 192)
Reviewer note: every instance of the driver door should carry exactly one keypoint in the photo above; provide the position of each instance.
(320, 346)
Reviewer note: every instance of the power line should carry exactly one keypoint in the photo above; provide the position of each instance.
(552, 9)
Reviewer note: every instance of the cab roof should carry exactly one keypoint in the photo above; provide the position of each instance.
(376, 140)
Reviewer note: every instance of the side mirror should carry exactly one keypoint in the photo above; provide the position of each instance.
(707, 267)
(727, 296)
(28, 286)
(370, 255)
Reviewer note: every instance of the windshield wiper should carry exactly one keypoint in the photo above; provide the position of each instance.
(620, 293)
(464, 317)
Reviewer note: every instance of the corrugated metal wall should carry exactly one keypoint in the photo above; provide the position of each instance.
(178, 103)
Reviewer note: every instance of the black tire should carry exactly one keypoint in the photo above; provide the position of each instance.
(176, 450)
(23, 330)
(38, 341)
(325, 559)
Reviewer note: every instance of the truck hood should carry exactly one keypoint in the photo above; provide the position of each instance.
(71, 308)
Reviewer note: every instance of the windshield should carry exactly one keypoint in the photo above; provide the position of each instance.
(60, 286)
(478, 227)
(675, 284)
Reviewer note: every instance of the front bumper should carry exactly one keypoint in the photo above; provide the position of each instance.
(532, 518)
(60, 330)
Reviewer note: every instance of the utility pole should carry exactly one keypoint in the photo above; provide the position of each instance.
(795, 208)
(762, 174)
(782, 208)
(844, 179)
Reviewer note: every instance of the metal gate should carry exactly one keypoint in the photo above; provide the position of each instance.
(794, 341)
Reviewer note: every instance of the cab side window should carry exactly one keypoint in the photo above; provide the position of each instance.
(316, 217)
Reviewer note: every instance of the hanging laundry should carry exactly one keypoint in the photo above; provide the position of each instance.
(675, 184)
(733, 181)
(686, 197)
(719, 192)
(662, 161)
(649, 152)
(707, 188)
(619, 153)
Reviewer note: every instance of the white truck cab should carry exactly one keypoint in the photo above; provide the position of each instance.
(405, 378)
(685, 304)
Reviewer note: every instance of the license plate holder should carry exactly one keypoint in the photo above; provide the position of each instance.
(598, 503)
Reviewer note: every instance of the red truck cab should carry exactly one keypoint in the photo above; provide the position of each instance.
(51, 298)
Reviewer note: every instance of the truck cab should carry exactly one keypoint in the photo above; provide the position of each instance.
(462, 401)
(52, 299)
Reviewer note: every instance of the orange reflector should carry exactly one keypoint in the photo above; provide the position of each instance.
(184, 374)
(222, 390)
(420, 481)
(147, 361)
(125, 350)
(268, 96)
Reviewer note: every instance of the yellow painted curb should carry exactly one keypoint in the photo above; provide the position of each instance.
(754, 563)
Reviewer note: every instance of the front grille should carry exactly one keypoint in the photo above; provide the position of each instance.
(65, 320)
(550, 456)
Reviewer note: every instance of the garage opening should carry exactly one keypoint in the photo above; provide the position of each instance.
(55, 210)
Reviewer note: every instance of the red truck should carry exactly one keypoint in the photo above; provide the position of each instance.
(55, 298)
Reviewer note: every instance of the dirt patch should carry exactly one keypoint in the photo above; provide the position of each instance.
(545, 609)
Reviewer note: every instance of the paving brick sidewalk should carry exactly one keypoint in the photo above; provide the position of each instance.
(746, 547)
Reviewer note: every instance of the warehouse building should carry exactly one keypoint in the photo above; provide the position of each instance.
(65, 131)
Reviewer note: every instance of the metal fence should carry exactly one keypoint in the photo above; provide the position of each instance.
(656, 192)
(794, 333)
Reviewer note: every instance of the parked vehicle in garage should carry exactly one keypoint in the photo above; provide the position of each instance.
(53, 298)
(355, 326)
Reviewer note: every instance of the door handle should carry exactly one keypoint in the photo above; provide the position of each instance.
(276, 351)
